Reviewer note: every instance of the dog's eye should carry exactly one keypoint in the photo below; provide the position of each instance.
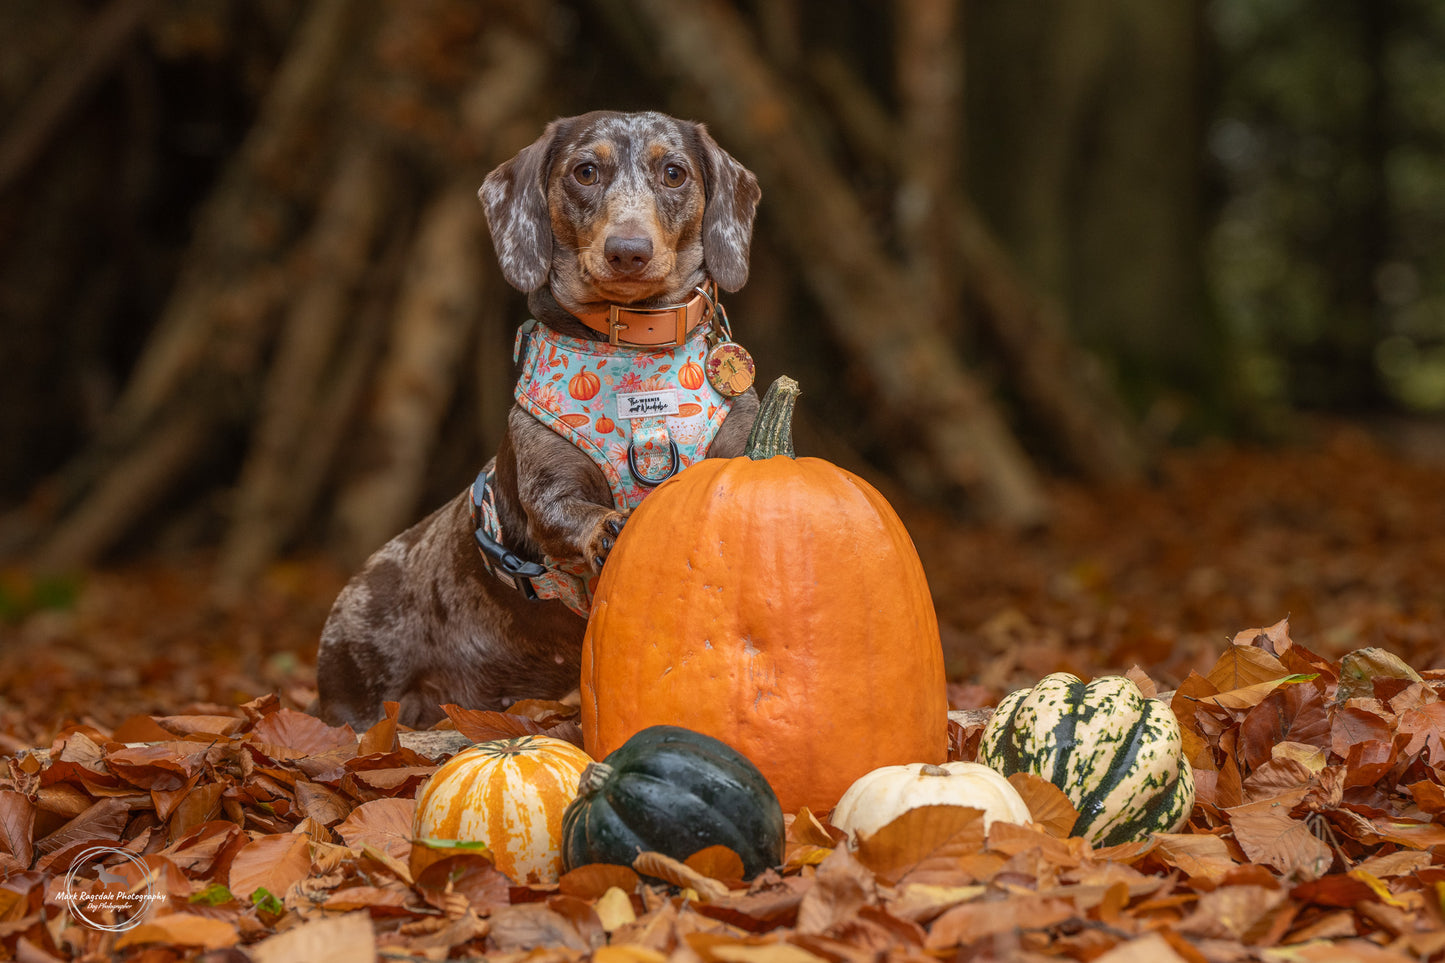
(585, 174)
(673, 175)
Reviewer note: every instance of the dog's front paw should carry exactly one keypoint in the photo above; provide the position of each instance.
(604, 536)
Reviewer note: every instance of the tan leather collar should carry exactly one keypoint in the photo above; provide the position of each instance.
(652, 327)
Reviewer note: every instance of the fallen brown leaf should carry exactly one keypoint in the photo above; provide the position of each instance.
(181, 929)
(1270, 835)
(1242, 666)
(842, 887)
(271, 863)
(594, 879)
(979, 920)
(679, 874)
(384, 823)
(1048, 805)
(1203, 856)
(336, 939)
(17, 827)
(926, 844)
(531, 925)
(717, 862)
(301, 734)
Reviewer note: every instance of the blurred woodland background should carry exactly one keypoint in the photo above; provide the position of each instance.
(248, 300)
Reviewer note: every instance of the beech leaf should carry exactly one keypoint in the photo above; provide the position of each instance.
(1048, 805)
(806, 828)
(979, 920)
(182, 929)
(1241, 666)
(485, 725)
(717, 862)
(614, 909)
(330, 939)
(17, 826)
(383, 823)
(272, 863)
(1273, 640)
(679, 874)
(1293, 713)
(923, 845)
(1198, 855)
(301, 733)
(1268, 834)
(594, 879)
(842, 886)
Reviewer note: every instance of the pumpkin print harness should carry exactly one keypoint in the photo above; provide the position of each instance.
(641, 413)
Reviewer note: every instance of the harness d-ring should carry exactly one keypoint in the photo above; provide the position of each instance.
(647, 482)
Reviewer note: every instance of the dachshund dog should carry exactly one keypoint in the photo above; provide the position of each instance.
(605, 219)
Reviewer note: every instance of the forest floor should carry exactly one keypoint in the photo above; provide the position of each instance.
(1318, 830)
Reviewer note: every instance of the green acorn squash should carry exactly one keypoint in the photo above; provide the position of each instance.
(1117, 755)
(673, 791)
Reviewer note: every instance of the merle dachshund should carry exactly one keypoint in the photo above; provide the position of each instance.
(605, 214)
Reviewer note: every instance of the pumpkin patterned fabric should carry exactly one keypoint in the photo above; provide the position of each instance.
(582, 390)
(575, 387)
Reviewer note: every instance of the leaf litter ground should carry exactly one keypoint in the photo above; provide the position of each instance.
(1288, 604)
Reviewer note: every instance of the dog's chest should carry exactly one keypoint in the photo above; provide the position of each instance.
(640, 414)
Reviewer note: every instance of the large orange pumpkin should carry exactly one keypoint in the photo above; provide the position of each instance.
(775, 603)
(509, 794)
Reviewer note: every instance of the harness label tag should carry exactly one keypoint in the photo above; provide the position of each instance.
(647, 404)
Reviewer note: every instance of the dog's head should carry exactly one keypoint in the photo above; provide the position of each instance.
(631, 209)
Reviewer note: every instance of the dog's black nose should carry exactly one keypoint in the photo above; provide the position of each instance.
(627, 255)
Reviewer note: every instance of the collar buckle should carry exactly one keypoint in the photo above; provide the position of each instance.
(615, 324)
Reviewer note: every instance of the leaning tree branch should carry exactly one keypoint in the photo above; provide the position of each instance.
(435, 315)
(1062, 385)
(930, 92)
(885, 321)
(271, 499)
(74, 75)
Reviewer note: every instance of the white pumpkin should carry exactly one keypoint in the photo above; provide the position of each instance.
(877, 798)
(509, 794)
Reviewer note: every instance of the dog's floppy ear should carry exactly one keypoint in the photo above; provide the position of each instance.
(727, 221)
(515, 199)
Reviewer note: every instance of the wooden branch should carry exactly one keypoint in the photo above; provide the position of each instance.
(1062, 385)
(1065, 386)
(237, 225)
(271, 498)
(435, 316)
(930, 86)
(887, 324)
(77, 71)
(127, 493)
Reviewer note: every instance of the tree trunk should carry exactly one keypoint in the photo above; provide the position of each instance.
(888, 325)
(1085, 156)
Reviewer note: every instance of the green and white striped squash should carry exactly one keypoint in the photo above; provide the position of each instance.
(1117, 755)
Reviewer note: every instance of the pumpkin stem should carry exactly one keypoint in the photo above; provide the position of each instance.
(932, 770)
(594, 777)
(772, 433)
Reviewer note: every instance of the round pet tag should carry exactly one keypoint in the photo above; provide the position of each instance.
(730, 368)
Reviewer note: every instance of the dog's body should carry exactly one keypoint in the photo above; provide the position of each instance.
(604, 209)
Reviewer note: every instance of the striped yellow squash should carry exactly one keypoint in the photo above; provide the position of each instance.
(509, 794)
(1117, 755)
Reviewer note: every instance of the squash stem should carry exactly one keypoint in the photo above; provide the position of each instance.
(772, 433)
(594, 777)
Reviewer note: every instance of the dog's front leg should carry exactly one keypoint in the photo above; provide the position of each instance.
(568, 505)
